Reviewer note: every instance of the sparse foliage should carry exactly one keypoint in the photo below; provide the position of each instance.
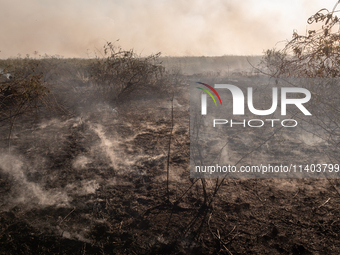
(315, 54)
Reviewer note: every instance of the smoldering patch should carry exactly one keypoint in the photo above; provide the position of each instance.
(111, 148)
(23, 191)
(83, 188)
(80, 162)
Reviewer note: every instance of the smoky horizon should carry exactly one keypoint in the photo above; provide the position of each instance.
(78, 29)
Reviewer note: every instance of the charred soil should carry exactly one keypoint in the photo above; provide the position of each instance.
(96, 183)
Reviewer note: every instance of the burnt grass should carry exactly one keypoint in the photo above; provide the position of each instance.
(73, 197)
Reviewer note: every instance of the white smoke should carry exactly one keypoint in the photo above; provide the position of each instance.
(24, 191)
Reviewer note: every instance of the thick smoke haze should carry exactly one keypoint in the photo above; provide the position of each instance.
(76, 28)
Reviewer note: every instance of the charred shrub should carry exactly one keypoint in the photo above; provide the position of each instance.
(119, 73)
(313, 61)
(23, 92)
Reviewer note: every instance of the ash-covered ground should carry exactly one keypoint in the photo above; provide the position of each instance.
(92, 179)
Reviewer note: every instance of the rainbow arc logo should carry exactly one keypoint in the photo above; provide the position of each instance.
(208, 92)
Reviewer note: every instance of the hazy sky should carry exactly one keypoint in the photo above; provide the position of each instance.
(74, 28)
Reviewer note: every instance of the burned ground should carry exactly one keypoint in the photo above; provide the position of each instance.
(93, 180)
